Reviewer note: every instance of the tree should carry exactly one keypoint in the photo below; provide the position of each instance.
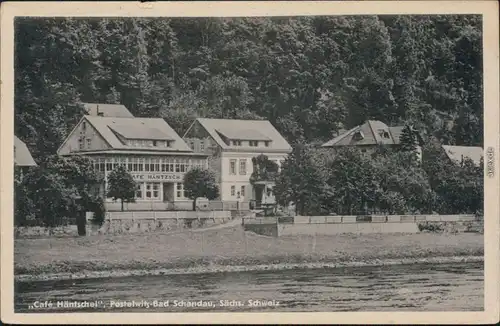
(57, 188)
(353, 181)
(309, 76)
(409, 139)
(121, 185)
(263, 169)
(301, 180)
(200, 183)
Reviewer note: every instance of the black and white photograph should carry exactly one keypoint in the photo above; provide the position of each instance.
(231, 163)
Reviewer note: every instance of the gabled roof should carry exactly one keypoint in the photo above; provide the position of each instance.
(372, 132)
(245, 130)
(396, 133)
(22, 156)
(136, 128)
(139, 132)
(107, 110)
(241, 134)
(458, 153)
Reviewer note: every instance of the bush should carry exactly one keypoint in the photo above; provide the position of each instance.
(99, 210)
(430, 227)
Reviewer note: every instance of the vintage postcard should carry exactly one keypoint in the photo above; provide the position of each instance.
(250, 162)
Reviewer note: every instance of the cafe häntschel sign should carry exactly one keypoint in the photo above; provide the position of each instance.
(173, 177)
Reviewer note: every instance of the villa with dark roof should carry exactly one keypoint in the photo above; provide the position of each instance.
(149, 148)
(231, 145)
(368, 136)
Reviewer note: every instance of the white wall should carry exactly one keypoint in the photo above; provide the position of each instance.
(238, 180)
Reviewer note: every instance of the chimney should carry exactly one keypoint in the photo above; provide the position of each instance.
(99, 114)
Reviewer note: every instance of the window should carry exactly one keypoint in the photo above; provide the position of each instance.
(254, 143)
(242, 191)
(266, 143)
(358, 135)
(80, 143)
(102, 165)
(138, 191)
(202, 146)
(181, 193)
(153, 190)
(168, 143)
(232, 167)
(131, 162)
(156, 165)
(191, 144)
(383, 133)
(155, 143)
(140, 164)
(177, 167)
(84, 126)
(109, 164)
(89, 143)
(233, 190)
(237, 142)
(243, 167)
(156, 190)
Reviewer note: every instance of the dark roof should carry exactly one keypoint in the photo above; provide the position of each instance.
(107, 110)
(22, 156)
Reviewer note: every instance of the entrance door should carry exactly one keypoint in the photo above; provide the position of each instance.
(168, 192)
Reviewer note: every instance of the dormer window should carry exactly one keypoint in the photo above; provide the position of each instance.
(254, 143)
(155, 143)
(266, 143)
(237, 142)
(384, 134)
(168, 143)
(358, 135)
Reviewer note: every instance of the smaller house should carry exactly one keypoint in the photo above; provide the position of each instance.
(457, 154)
(368, 136)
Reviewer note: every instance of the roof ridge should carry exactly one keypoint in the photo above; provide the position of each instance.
(371, 128)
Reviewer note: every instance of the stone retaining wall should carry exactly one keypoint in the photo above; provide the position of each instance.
(136, 222)
(330, 225)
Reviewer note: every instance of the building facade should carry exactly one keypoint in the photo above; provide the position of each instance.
(153, 153)
(230, 146)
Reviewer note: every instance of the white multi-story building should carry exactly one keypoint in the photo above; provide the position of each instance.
(230, 146)
(154, 154)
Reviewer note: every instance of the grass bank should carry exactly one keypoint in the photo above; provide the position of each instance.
(228, 250)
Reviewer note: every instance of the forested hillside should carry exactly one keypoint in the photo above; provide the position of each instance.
(310, 76)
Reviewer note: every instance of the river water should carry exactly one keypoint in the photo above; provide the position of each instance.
(439, 287)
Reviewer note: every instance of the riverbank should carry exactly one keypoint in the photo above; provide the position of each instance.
(228, 250)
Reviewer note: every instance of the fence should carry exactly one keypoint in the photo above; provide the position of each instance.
(178, 206)
(148, 215)
(349, 219)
